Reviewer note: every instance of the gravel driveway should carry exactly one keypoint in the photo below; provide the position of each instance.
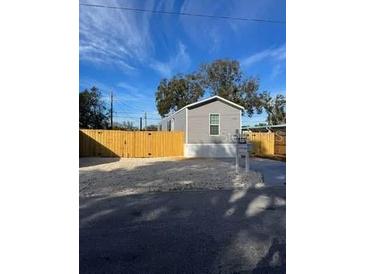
(111, 176)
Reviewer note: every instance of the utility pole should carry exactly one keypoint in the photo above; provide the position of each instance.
(111, 109)
(145, 121)
(140, 123)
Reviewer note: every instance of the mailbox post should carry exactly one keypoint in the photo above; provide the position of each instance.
(237, 157)
(242, 149)
(247, 162)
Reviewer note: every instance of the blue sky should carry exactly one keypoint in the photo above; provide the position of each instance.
(130, 52)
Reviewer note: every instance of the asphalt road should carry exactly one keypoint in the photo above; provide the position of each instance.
(273, 172)
(184, 232)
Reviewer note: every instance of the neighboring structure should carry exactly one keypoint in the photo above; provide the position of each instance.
(209, 127)
(267, 140)
(265, 128)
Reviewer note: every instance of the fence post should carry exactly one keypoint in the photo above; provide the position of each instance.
(237, 160)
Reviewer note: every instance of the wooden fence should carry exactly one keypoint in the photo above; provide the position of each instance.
(268, 143)
(130, 144)
(280, 144)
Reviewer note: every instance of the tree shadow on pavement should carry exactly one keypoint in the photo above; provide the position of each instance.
(226, 231)
(274, 261)
(94, 161)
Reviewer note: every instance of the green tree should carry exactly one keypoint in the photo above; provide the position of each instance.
(125, 125)
(92, 111)
(275, 108)
(221, 77)
(152, 127)
(260, 124)
(181, 90)
(224, 77)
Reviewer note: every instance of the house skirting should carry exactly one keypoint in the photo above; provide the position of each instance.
(210, 150)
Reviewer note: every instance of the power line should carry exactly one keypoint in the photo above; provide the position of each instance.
(135, 117)
(137, 113)
(131, 109)
(185, 14)
(130, 106)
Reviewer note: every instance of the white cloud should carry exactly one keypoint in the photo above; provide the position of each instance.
(127, 86)
(276, 70)
(130, 93)
(123, 39)
(276, 54)
(115, 37)
(181, 61)
(122, 91)
(203, 31)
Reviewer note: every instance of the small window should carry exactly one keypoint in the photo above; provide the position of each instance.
(214, 124)
(169, 125)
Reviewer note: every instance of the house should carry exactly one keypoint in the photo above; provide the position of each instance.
(210, 126)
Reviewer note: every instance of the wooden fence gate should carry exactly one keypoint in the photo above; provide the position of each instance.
(130, 144)
(268, 143)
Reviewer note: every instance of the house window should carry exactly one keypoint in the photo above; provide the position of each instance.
(169, 125)
(214, 124)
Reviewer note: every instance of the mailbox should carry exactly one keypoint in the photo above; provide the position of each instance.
(242, 148)
(249, 147)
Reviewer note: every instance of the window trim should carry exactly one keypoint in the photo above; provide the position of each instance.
(219, 124)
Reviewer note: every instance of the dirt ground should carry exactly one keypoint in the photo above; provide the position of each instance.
(113, 176)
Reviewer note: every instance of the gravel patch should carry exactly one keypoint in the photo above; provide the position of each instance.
(141, 175)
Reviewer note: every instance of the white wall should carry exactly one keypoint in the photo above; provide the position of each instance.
(210, 150)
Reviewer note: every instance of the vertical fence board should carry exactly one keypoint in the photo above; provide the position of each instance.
(263, 143)
(280, 143)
